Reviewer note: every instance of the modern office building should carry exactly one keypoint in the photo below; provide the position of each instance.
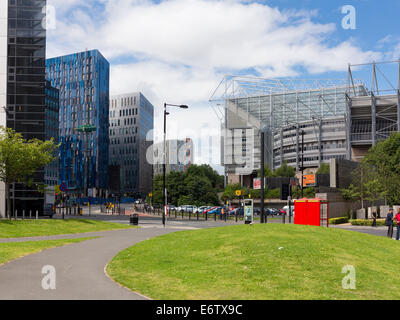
(52, 102)
(83, 83)
(179, 156)
(51, 172)
(22, 86)
(131, 136)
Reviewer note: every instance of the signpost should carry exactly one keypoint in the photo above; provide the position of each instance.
(248, 211)
(309, 181)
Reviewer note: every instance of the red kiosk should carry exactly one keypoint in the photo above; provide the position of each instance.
(311, 212)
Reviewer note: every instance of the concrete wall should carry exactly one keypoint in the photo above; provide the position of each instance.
(338, 207)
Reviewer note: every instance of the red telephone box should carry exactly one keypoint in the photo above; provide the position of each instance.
(311, 212)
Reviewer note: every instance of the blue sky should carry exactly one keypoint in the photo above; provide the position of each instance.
(178, 51)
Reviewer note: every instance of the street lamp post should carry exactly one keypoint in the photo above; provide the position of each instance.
(302, 163)
(165, 158)
(87, 129)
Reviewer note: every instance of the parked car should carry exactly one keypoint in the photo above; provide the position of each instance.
(214, 210)
(286, 208)
(202, 209)
(238, 211)
(275, 212)
(171, 208)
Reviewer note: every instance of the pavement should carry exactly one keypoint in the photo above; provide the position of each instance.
(80, 268)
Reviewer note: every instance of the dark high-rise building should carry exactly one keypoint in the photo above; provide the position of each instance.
(83, 81)
(22, 85)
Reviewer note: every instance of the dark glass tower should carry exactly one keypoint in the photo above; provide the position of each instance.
(26, 48)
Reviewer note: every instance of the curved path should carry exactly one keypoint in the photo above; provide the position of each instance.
(79, 268)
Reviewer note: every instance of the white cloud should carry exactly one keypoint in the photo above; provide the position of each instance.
(178, 50)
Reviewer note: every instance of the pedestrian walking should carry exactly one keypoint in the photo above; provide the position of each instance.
(397, 218)
(374, 217)
(389, 223)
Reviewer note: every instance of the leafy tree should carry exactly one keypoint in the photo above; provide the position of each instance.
(267, 173)
(285, 171)
(20, 159)
(324, 169)
(384, 160)
(198, 186)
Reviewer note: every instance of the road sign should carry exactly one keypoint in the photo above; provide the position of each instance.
(239, 193)
(63, 187)
(248, 211)
(309, 180)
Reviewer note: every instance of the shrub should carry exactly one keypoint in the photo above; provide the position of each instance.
(360, 222)
(340, 220)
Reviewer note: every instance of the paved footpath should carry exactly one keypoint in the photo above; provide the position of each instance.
(79, 268)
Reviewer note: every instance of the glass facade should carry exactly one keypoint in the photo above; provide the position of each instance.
(83, 81)
(52, 101)
(26, 37)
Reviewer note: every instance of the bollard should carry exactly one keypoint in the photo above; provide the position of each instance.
(23, 214)
(175, 213)
(30, 214)
(37, 214)
(226, 217)
(236, 216)
(215, 216)
(206, 214)
(198, 216)
(182, 214)
(16, 215)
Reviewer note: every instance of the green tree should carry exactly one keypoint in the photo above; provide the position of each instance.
(324, 169)
(384, 160)
(267, 173)
(20, 159)
(199, 185)
(285, 171)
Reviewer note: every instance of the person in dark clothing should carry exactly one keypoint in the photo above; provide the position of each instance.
(389, 223)
(374, 217)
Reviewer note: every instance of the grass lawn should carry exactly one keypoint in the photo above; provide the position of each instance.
(15, 250)
(34, 228)
(265, 262)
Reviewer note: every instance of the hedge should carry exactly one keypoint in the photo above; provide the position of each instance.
(340, 220)
(360, 222)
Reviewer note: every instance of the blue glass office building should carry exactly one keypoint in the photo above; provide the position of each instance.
(83, 81)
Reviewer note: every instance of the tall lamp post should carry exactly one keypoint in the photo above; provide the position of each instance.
(166, 113)
(87, 130)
